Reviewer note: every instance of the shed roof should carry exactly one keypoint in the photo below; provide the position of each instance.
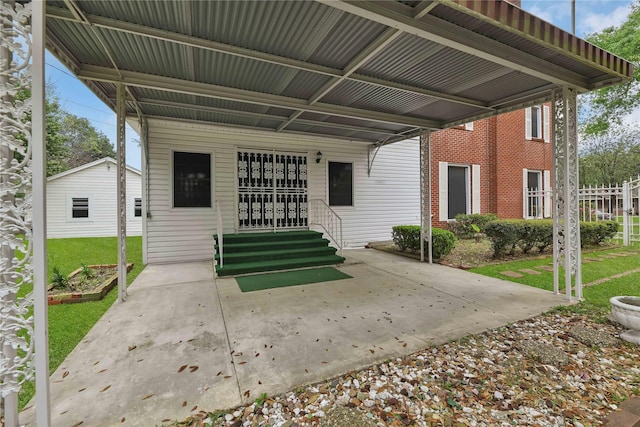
(369, 71)
(90, 165)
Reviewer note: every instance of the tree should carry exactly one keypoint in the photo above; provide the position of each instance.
(84, 142)
(608, 106)
(57, 150)
(56, 146)
(610, 157)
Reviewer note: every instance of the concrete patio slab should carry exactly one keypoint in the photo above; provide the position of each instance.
(236, 345)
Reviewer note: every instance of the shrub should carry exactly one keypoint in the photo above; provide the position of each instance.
(527, 234)
(535, 233)
(407, 237)
(594, 233)
(443, 242)
(462, 227)
(59, 280)
(504, 236)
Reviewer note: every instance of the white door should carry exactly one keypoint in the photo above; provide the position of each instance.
(272, 190)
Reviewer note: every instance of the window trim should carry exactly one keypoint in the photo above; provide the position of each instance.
(171, 178)
(467, 185)
(69, 203)
(541, 189)
(543, 128)
(353, 183)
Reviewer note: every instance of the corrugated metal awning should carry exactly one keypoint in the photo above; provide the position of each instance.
(360, 70)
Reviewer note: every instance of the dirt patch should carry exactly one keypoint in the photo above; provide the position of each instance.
(80, 283)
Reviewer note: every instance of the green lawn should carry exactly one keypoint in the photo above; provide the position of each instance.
(596, 296)
(69, 323)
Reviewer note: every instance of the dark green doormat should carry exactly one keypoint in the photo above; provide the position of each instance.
(259, 282)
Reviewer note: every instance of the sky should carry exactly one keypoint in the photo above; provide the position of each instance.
(76, 98)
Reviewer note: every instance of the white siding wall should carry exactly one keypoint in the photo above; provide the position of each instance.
(390, 196)
(99, 183)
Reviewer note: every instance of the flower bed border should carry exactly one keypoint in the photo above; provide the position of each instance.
(96, 295)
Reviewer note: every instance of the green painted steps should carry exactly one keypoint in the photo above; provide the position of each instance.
(258, 252)
(248, 256)
(230, 248)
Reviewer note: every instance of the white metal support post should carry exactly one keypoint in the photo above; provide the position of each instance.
(22, 207)
(421, 141)
(39, 181)
(626, 218)
(9, 287)
(429, 198)
(122, 192)
(566, 220)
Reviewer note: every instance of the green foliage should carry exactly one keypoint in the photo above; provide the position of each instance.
(594, 233)
(261, 399)
(59, 279)
(443, 242)
(407, 237)
(610, 157)
(609, 105)
(463, 228)
(536, 233)
(86, 272)
(506, 235)
(71, 141)
(85, 142)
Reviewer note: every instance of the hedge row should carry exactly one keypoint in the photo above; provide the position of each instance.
(407, 237)
(506, 235)
(462, 227)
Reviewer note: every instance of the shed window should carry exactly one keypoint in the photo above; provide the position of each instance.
(191, 180)
(340, 184)
(79, 207)
(137, 206)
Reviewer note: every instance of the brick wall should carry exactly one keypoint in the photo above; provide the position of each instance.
(499, 146)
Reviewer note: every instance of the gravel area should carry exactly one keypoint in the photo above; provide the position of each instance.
(558, 369)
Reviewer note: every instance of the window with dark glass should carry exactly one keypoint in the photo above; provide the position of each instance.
(457, 190)
(536, 122)
(340, 184)
(191, 180)
(137, 206)
(79, 207)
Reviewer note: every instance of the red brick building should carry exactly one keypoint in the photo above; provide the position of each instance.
(485, 166)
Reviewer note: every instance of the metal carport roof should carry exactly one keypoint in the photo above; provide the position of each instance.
(365, 71)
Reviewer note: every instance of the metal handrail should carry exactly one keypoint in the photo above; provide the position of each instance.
(322, 215)
(219, 231)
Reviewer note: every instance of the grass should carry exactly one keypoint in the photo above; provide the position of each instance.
(596, 298)
(69, 323)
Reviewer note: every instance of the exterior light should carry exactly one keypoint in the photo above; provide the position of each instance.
(318, 156)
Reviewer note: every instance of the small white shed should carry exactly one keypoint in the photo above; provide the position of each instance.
(81, 202)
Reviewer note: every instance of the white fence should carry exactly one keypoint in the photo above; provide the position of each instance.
(618, 203)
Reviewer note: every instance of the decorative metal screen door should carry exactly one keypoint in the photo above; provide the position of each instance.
(272, 190)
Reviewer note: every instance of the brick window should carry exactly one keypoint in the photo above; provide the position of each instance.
(536, 186)
(538, 123)
(459, 190)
